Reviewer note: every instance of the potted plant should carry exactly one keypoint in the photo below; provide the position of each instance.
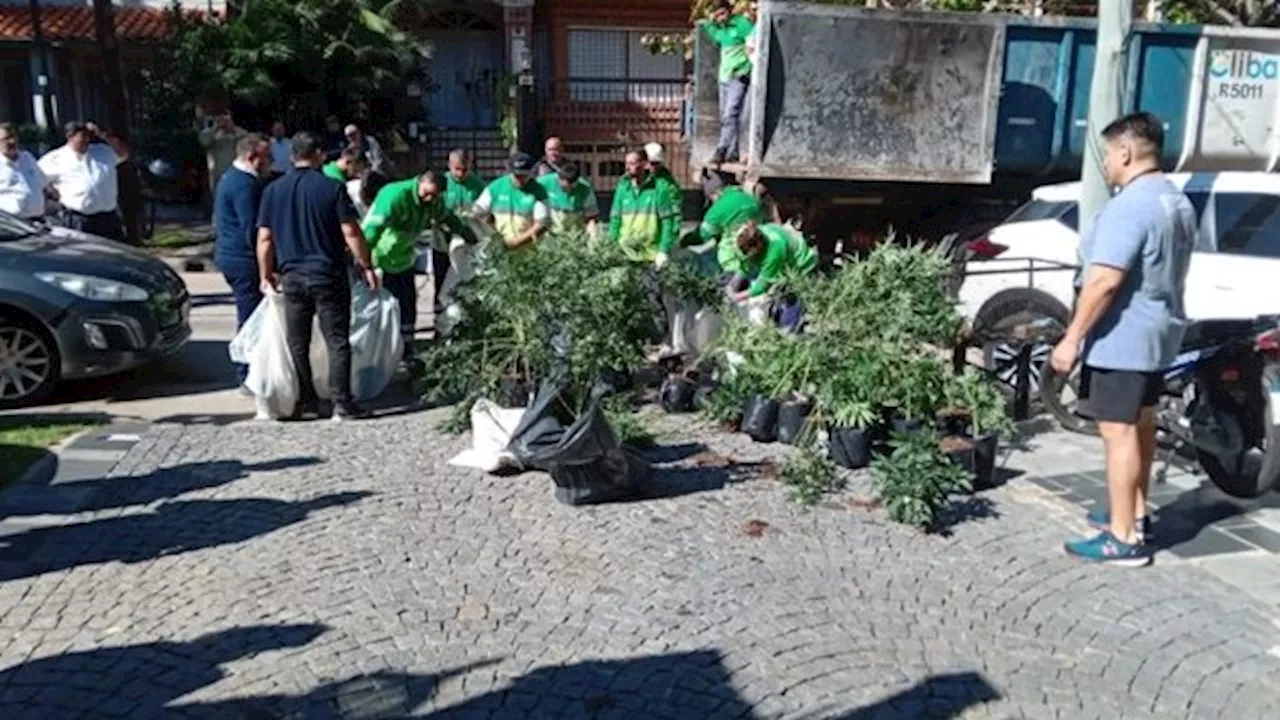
(850, 435)
(793, 414)
(915, 479)
(677, 393)
(989, 418)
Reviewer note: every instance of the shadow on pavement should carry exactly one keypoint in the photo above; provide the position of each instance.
(202, 366)
(174, 527)
(116, 492)
(938, 697)
(136, 681)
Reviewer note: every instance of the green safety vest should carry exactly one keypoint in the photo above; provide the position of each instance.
(513, 207)
(722, 220)
(641, 220)
(570, 209)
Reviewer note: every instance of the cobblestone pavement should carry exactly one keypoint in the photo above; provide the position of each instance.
(325, 571)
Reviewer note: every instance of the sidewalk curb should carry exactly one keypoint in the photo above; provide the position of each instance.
(90, 454)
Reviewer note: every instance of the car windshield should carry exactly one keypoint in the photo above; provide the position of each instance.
(1040, 210)
(11, 228)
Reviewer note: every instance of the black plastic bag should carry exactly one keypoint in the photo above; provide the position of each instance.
(760, 418)
(792, 416)
(851, 447)
(676, 394)
(583, 455)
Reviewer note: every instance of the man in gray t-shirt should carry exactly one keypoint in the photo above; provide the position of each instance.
(1128, 325)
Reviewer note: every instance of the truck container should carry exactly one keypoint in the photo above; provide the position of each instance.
(939, 122)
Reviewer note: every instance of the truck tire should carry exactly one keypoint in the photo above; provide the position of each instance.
(1006, 310)
(1255, 472)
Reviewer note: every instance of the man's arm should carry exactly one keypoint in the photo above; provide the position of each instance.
(459, 228)
(1100, 286)
(267, 258)
(483, 208)
(770, 269)
(541, 221)
(591, 211)
(615, 214)
(354, 239)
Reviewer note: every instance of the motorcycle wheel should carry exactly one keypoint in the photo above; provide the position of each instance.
(1060, 396)
(1255, 471)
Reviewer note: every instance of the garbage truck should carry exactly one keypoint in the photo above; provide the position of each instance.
(936, 123)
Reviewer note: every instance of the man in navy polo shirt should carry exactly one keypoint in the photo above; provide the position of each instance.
(235, 222)
(308, 232)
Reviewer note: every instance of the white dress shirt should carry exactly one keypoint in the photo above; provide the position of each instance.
(281, 155)
(21, 186)
(85, 183)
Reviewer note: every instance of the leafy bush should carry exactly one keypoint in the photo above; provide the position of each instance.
(568, 306)
(985, 403)
(915, 479)
(810, 475)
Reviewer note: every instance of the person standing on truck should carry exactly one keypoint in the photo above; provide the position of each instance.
(731, 32)
(572, 201)
(731, 208)
(640, 220)
(401, 212)
(517, 204)
(1127, 327)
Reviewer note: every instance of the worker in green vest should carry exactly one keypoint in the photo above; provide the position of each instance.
(463, 188)
(731, 208)
(769, 253)
(571, 199)
(400, 213)
(642, 220)
(732, 32)
(516, 203)
(349, 166)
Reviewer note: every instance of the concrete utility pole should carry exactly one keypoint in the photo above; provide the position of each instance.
(1106, 102)
(117, 99)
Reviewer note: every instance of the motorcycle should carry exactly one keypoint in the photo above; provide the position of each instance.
(1221, 400)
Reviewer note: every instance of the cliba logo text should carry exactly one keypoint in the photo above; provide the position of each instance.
(1243, 65)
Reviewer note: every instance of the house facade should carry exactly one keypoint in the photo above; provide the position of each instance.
(61, 34)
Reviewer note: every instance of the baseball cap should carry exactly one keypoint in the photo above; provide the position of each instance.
(520, 163)
(655, 153)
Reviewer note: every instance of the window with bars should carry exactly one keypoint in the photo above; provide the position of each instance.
(615, 66)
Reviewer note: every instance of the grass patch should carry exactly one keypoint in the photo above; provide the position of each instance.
(25, 439)
(168, 238)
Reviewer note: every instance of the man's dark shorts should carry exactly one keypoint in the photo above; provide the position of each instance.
(1117, 396)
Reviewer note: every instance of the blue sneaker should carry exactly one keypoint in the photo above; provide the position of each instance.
(1100, 519)
(1106, 549)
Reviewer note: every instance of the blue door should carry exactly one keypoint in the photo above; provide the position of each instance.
(465, 68)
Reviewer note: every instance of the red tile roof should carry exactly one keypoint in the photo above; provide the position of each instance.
(76, 23)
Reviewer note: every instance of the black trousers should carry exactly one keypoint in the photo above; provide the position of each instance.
(306, 296)
(440, 265)
(105, 224)
(403, 288)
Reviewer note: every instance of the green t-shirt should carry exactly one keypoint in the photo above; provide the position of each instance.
(732, 38)
(785, 249)
(333, 172)
(396, 219)
(572, 208)
(461, 195)
(729, 212)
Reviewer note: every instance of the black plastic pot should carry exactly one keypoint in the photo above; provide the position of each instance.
(904, 426)
(985, 449)
(792, 415)
(513, 392)
(964, 456)
(676, 394)
(619, 381)
(850, 447)
(760, 418)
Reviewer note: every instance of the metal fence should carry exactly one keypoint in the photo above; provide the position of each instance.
(599, 119)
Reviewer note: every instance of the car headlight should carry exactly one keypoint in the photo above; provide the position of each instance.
(94, 288)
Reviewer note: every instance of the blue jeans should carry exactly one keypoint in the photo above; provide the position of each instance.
(733, 106)
(246, 291)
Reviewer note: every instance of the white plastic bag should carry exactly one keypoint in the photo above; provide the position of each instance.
(376, 345)
(272, 378)
(491, 430)
(242, 345)
(463, 259)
